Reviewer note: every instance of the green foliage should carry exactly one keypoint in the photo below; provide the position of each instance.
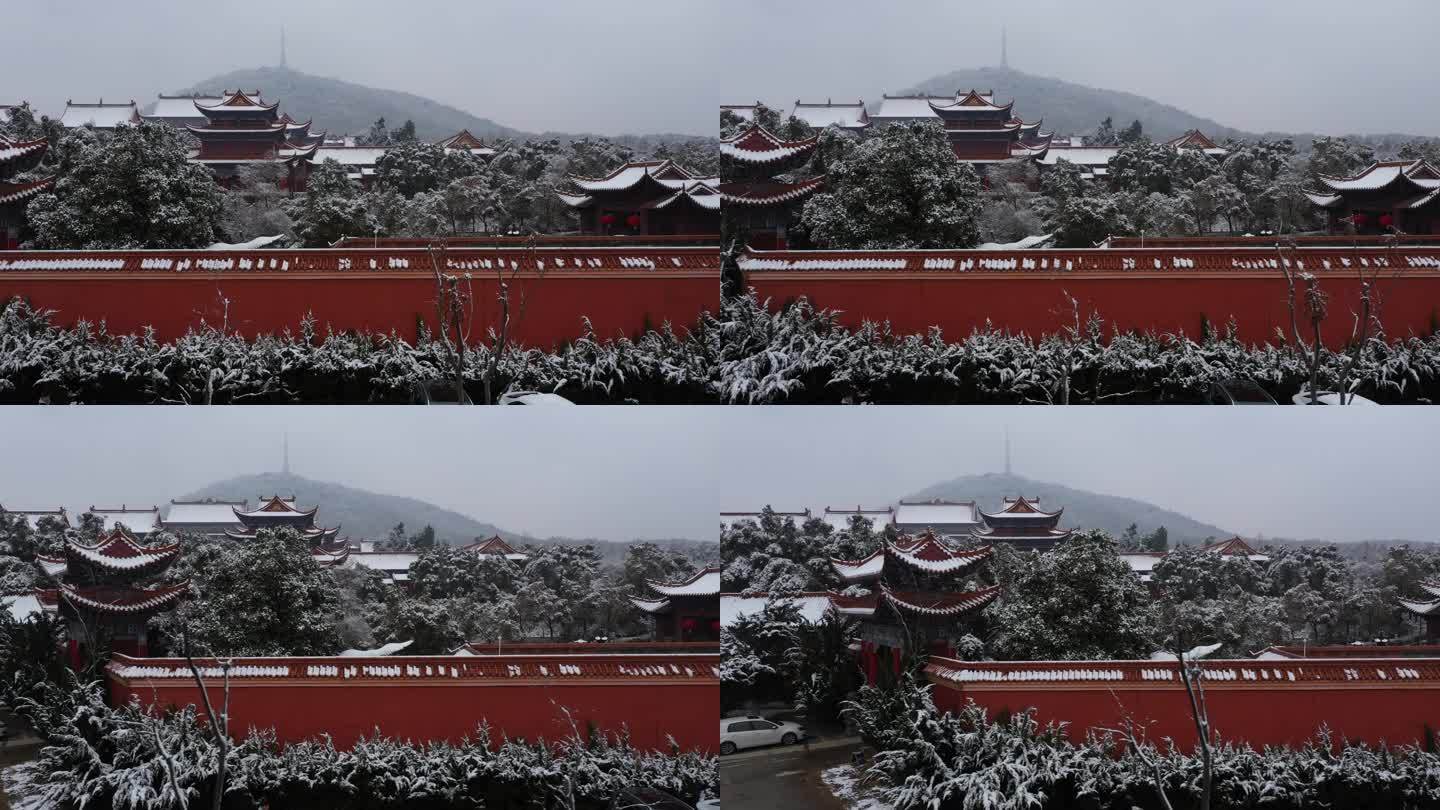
(1079, 601)
(332, 207)
(136, 189)
(900, 188)
(266, 596)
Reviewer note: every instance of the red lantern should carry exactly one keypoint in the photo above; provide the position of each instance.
(1386, 220)
(1358, 219)
(633, 220)
(607, 219)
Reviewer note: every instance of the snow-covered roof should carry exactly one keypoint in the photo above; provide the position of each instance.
(12, 150)
(24, 606)
(839, 519)
(745, 112)
(922, 514)
(209, 512)
(182, 106)
(1379, 175)
(99, 116)
(971, 102)
(117, 550)
(1142, 563)
(1421, 608)
(391, 562)
(728, 519)
(705, 582)
(384, 649)
(756, 145)
(820, 116)
(34, 516)
(350, 155)
(733, 606)
(1202, 651)
(1089, 156)
(898, 108)
(924, 553)
(138, 521)
(665, 172)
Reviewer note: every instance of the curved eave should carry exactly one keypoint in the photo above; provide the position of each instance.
(1430, 608)
(651, 605)
(793, 192)
(158, 599)
(1432, 588)
(975, 600)
(23, 192)
(576, 200)
(1324, 200)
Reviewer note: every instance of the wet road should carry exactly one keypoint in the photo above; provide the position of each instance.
(783, 777)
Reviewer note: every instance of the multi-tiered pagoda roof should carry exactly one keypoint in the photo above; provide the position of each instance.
(116, 553)
(109, 587)
(17, 158)
(916, 603)
(1022, 523)
(241, 129)
(924, 554)
(276, 512)
(754, 190)
(981, 131)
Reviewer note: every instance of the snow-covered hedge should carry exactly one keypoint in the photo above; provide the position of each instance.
(798, 354)
(125, 758)
(42, 362)
(746, 355)
(942, 761)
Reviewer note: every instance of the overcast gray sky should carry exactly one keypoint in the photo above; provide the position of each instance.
(623, 473)
(1332, 66)
(569, 65)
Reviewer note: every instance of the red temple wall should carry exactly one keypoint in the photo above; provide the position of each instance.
(619, 302)
(426, 709)
(1035, 303)
(1260, 712)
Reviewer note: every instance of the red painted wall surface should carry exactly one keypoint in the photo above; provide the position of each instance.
(1170, 300)
(620, 301)
(445, 708)
(1261, 711)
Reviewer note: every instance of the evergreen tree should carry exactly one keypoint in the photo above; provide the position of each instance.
(900, 188)
(137, 189)
(331, 208)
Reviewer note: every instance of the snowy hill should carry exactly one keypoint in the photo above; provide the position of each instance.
(1083, 510)
(1071, 108)
(370, 515)
(341, 107)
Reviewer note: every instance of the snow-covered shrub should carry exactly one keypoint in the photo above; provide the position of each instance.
(926, 759)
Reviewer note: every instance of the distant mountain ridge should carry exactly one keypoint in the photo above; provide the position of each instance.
(340, 107)
(364, 515)
(1083, 510)
(1076, 109)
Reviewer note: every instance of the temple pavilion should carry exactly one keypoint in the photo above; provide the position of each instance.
(107, 591)
(688, 610)
(1429, 610)
(1395, 195)
(240, 130)
(1023, 524)
(276, 512)
(756, 192)
(981, 131)
(646, 198)
(918, 598)
(18, 158)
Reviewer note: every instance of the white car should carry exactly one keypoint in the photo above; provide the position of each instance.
(751, 731)
(532, 398)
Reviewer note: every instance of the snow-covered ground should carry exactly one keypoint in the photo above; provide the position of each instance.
(844, 782)
(22, 788)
